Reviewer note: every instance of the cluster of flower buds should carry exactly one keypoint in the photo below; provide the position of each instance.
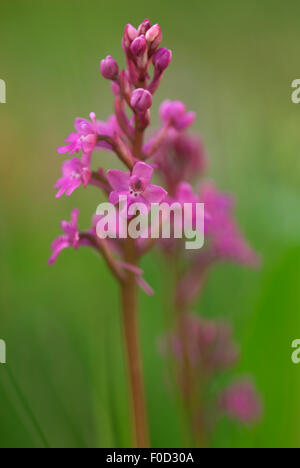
(141, 47)
(132, 87)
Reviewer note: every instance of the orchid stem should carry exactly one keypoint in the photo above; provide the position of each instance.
(133, 351)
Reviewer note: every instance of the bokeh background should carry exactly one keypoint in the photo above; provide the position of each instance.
(233, 63)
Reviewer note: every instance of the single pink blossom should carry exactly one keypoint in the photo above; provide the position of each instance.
(135, 186)
(88, 135)
(84, 139)
(74, 174)
(242, 402)
(174, 113)
(70, 238)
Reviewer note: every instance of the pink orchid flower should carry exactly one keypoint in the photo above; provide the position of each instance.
(85, 139)
(135, 186)
(70, 238)
(74, 174)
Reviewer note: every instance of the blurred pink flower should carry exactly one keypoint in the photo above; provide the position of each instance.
(180, 157)
(227, 240)
(241, 401)
(210, 345)
(174, 113)
(70, 238)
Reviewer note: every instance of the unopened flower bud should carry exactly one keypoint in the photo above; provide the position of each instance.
(138, 49)
(109, 68)
(162, 59)
(139, 46)
(144, 26)
(153, 38)
(130, 33)
(141, 100)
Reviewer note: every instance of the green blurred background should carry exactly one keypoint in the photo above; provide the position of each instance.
(233, 63)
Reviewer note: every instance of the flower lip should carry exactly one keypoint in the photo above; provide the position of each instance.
(137, 184)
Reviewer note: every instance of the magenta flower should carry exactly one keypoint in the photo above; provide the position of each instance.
(85, 139)
(241, 401)
(135, 186)
(70, 238)
(227, 241)
(75, 173)
(88, 136)
(175, 114)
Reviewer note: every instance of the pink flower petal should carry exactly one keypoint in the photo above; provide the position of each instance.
(74, 217)
(63, 149)
(185, 193)
(144, 286)
(57, 246)
(154, 193)
(143, 171)
(83, 126)
(114, 197)
(132, 268)
(118, 180)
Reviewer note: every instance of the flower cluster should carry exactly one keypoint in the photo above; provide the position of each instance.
(209, 349)
(178, 160)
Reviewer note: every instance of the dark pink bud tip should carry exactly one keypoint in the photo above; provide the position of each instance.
(144, 26)
(162, 59)
(141, 100)
(109, 68)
